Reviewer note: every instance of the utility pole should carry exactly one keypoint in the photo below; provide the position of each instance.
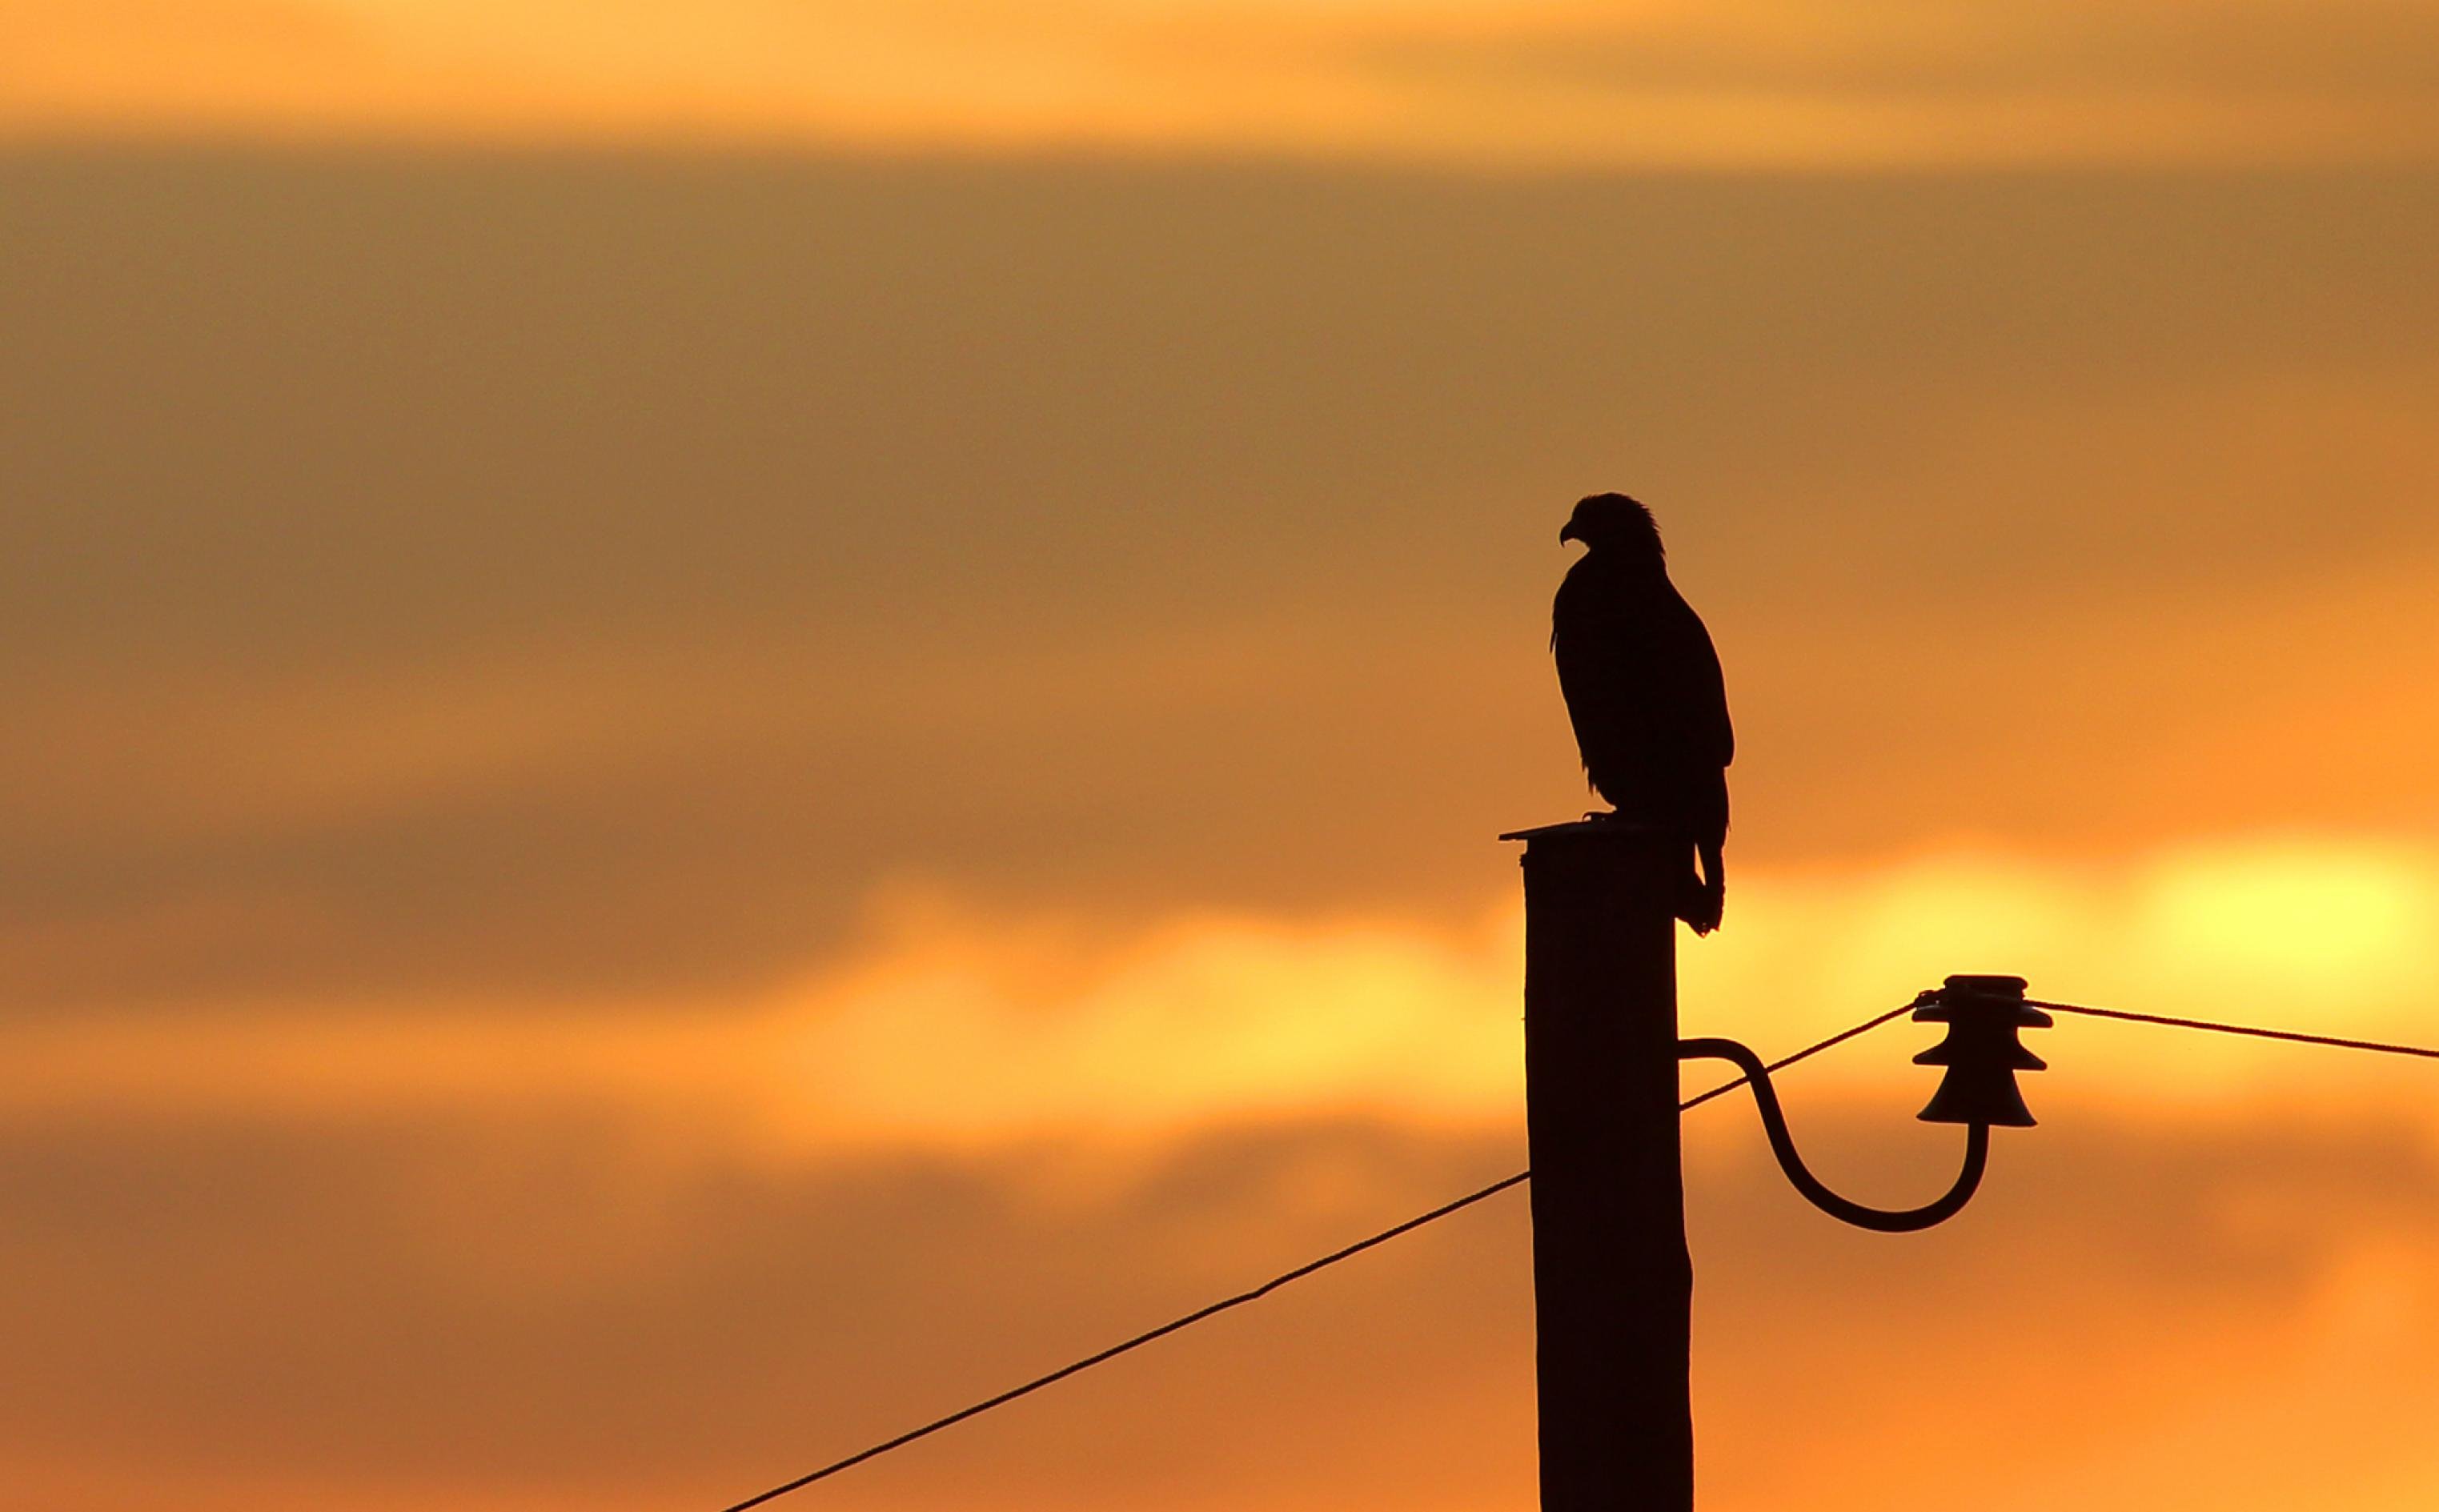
(1612, 1281)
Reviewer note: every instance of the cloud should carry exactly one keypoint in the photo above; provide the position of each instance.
(543, 1311)
(558, 578)
(1763, 82)
(2341, 54)
(948, 1026)
(662, 815)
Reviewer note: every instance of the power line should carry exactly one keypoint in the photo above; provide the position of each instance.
(2377, 1046)
(1256, 1294)
(1135, 1343)
(1264, 1290)
(1805, 1054)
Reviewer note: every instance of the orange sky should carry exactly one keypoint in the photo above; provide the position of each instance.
(1563, 81)
(730, 722)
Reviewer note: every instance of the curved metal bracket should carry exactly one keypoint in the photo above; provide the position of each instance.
(1773, 1122)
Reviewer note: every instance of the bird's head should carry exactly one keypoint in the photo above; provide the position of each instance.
(1614, 524)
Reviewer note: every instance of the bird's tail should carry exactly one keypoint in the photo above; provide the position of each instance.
(1709, 898)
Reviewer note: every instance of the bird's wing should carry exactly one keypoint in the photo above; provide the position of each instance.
(1701, 691)
(1602, 663)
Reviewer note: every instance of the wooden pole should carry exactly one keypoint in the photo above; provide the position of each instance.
(1612, 1281)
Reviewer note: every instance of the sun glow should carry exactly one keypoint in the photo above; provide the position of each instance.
(955, 1027)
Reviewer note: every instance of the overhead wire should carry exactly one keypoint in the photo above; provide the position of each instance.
(1256, 1293)
(1445, 1209)
(2213, 1026)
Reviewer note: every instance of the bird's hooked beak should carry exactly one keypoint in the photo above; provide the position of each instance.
(1567, 532)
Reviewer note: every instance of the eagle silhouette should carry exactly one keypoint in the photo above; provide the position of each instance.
(1645, 691)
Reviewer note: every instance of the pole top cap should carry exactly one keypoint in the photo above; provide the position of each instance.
(1593, 825)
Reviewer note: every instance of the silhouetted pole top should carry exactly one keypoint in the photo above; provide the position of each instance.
(1597, 827)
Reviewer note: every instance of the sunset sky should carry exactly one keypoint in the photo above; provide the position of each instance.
(731, 722)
